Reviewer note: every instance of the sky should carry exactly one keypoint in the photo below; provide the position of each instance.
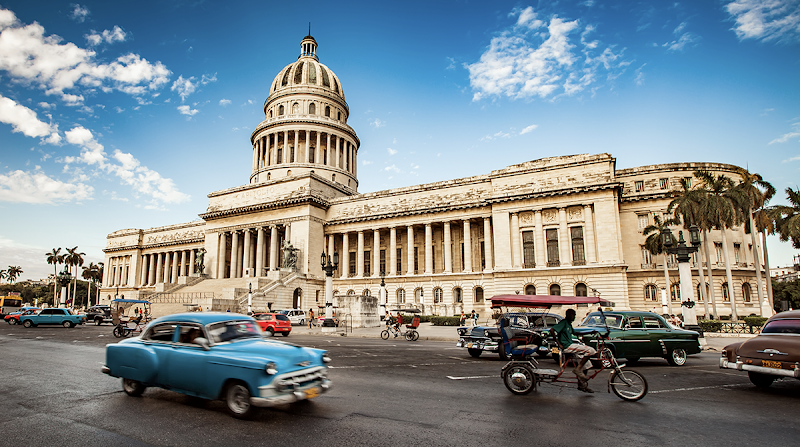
(119, 115)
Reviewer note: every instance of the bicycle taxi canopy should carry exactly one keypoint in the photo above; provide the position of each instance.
(407, 311)
(544, 301)
(119, 302)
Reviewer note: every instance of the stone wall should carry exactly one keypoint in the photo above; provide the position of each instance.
(362, 311)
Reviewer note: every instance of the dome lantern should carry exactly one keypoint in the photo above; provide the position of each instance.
(308, 46)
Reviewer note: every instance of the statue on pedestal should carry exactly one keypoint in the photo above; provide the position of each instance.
(198, 260)
(289, 255)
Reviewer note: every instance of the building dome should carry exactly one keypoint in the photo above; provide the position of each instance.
(307, 72)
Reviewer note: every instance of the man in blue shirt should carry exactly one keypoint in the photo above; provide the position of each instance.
(563, 333)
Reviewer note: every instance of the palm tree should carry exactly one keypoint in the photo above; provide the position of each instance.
(787, 218)
(99, 278)
(13, 272)
(654, 245)
(765, 225)
(89, 275)
(2, 274)
(758, 192)
(686, 203)
(55, 258)
(720, 209)
(74, 259)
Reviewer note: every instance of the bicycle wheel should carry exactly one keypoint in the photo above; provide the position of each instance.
(628, 385)
(416, 336)
(410, 335)
(119, 331)
(519, 379)
(385, 334)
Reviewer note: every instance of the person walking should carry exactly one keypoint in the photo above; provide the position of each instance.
(310, 318)
(474, 318)
(463, 319)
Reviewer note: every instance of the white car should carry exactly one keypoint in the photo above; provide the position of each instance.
(296, 316)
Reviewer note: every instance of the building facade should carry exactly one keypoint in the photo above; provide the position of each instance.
(566, 225)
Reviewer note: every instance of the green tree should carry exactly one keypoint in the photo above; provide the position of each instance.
(788, 291)
(2, 275)
(654, 245)
(787, 218)
(90, 274)
(13, 272)
(74, 259)
(56, 258)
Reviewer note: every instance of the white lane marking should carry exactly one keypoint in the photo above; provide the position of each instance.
(732, 385)
(406, 365)
(469, 377)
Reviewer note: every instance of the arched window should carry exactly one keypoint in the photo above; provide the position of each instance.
(458, 296)
(675, 292)
(312, 109)
(339, 116)
(401, 296)
(268, 175)
(351, 292)
(479, 294)
(365, 293)
(650, 293)
(699, 293)
(725, 296)
(289, 173)
(530, 289)
(270, 113)
(555, 289)
(295, 108)
(746, 292)
(328, 111)
(280, 110)
(418, 295)
(437, 295)
(333, 177)
(580, 289)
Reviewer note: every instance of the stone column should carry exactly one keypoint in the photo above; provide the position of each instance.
(260, 252)
(329, 160)
(467, 247)
(360, 255)
(539, 246)
(448, 249)
(308, 146)
(192, 261)
(159, 267)
(392, 251)
(487, 243)
(411, 251)
(246, 257)
(515, 245)
(222, 255)
(145, 268)
(151, 266)
(120, 264)
(338, 158)
(376, 252)
(287, 231)
(588, 233)
(318, 149)
(174, 278)
(273, 247)
(345, 255)
(235, 261)
(563, 238)
(428, 249)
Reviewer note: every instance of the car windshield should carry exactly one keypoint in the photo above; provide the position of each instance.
(596, 319)
(782, 327)
(281, 317)
(233, 330)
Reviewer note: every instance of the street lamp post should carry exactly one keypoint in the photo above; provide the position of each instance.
(684, 270)
(250, 299)
(328, 266)
(63, 280)
(383, 293)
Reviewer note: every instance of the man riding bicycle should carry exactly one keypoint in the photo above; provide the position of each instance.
(563, 334)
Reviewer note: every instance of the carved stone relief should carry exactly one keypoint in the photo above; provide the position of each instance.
(574, 213)
(550, 216)
(174, 237)
(526, 218)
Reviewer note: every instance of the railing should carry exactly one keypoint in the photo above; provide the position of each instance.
(579, 262)
(180, 298)
(648, 266)
(554, 263)
(736, 328)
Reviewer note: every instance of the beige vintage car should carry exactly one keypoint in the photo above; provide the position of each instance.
(772, 355)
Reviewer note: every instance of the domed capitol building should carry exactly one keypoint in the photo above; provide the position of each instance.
(566, 225)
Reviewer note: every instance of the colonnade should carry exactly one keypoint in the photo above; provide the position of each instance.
(299, 146)
(250, 251)
(118, 271)
(166, 266)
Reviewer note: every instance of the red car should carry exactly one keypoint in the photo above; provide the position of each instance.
(14, 318)
(272, 323)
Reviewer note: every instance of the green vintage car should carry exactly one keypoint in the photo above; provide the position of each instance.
(635, 334)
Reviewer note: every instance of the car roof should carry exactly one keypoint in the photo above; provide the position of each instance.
(202, 318)
(639, 313)
(789, 314)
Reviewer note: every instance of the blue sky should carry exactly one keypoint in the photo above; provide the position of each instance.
(127, 114)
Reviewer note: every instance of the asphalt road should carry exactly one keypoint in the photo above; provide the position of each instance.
(384, 393)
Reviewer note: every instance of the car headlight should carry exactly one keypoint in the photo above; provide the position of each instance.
(325, 358)
(271, 368)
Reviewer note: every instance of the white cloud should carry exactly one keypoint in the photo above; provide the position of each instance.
(37, 187)
(186, 87)
(787, 136)
(224, 102)
(376, 123)
(392, 168)
(26, 121)
(678, 45)
(639, 80)
(766, 20)
(532, 60)
(391, 151)
(79, 13)
(114, 35)
(186, 110)
(30, 56)
(528, 129)
(366, 162)
(791, 159)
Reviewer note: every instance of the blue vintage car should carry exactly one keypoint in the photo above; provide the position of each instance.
(218, 356)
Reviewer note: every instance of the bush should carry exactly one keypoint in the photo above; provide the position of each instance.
(755, 321)
(445, 321)
(724, 317)
(710, 325)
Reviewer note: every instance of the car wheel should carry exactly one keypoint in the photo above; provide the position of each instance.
(677, 357)
(133, 388)
(67, 324)
(27, 323)
(98, 321)
(12, 321)
(285, 334)
(474, 352)
(302, 322)
(271, 331)
(760, 380)
(237, 398)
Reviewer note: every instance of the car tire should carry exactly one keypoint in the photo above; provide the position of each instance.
(302, 322)
(760, 380)
(98, 321)
(27, 323)
(12, 321)
(285, 334)
(237, 399)
(67, 324)
(133, 388)
(677, 357)
(474, 352)
(271, 331)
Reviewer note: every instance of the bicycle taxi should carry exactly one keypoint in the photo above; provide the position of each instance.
(523, 373)
(126, 325)
(410, 332)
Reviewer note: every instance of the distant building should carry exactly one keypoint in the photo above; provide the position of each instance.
(567, 225)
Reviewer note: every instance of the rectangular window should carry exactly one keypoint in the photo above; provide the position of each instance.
(347, 166)
(325, 156)
(737, 252)
(383, 261)
(688, 181)
(552, 248)
(483, 256)
(639, 185)
(647, 258)
(663, 183)
(352, 263)
(720, 253)
(463, 265)
(280, 155)
(311, 154)
(528, 255)
(367, 263)
(433, 259)
(578, 256)
(291, 154)
(399, 265)
(644, 221)
(416, 260)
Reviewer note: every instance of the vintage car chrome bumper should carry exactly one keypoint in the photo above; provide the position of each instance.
(292, 387)
(484, 344)
(741, 366)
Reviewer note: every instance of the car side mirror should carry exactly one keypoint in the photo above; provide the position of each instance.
(203, 342)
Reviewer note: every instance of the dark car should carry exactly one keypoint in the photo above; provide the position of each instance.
(772, 355)
(487, 338)
(634, 334)
(100, 314)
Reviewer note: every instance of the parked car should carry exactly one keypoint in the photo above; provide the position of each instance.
(296, 316)
(13, 318)
(773, 354)
(634, 334)
(487, 338)
(53, 315)
(274, 322)
(100, 314)
(218, 355)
